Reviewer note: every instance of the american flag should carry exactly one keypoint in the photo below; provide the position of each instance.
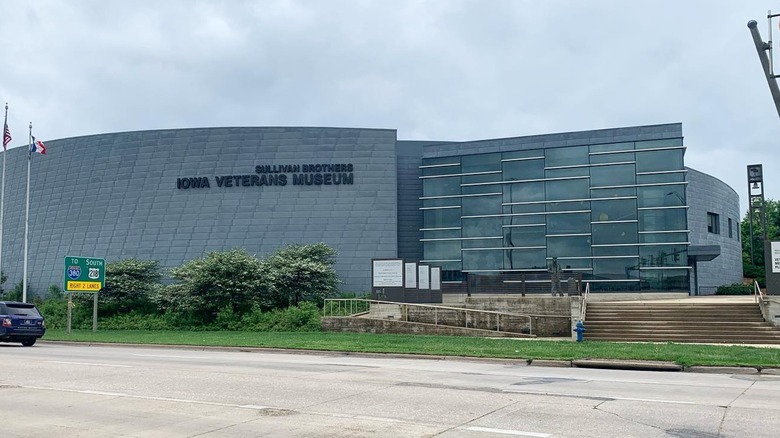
(6, 136)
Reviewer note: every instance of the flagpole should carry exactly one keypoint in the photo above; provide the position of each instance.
(27, 217)
(2, 190)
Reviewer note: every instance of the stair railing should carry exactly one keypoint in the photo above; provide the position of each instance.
(584, 302)
(759, 294)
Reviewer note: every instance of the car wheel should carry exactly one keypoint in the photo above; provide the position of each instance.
(28, 342)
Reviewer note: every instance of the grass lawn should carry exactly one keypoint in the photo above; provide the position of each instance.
(683, 354)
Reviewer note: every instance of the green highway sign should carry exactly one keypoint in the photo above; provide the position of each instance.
(84, 274)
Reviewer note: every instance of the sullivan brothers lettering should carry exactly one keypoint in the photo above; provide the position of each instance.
(276, 175)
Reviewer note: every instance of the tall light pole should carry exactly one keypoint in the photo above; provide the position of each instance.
(766, 62)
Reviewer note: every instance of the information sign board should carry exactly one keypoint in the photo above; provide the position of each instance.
(84, 274)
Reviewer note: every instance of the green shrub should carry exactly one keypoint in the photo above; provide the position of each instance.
(735, 289)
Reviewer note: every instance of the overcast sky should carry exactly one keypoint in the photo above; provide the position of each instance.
(433, 70)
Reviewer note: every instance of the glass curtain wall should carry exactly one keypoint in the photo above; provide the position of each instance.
(614, 212)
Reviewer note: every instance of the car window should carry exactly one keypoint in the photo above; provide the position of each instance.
(22, 310)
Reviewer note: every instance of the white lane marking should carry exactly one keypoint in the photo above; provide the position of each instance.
(169, 357)
(90, 364)
(508, 432)
(608, 397)
(146, 397)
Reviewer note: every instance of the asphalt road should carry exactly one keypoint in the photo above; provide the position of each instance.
(65, 390)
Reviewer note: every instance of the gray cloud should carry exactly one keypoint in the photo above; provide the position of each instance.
(447, 69)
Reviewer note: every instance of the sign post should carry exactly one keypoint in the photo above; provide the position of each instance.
(84, 274)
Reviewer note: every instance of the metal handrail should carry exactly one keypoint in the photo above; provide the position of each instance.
(354, 304)
(759, 294)
(583, 303)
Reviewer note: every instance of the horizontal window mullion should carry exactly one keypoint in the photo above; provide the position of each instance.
(517, 181)
(627, 280)
(504, 248)
(523, 226)
(526, 214)
(440, 208)
(664, 232)
(506, 160)
(660, 172)
(627, 221)
(423, 198)
(460, 174)
(438, 239)
(629, 186)
(440, 261)
(567, 235)
(431, 166)
(440, 229)
(664, 208)
(665, 268)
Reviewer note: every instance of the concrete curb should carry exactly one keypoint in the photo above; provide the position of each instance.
(639, 365)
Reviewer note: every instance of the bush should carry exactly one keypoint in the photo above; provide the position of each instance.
(735, 289)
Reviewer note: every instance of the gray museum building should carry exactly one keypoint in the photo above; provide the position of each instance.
(617, 207)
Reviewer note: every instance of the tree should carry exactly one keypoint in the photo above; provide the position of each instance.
(298, 273)
(129, 284)
(218, 281)
(772, 217)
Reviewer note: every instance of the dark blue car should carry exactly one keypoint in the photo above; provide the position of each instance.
(20, 322)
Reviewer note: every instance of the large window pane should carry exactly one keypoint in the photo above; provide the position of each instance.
(480, 189)
(661, 196)
(568, 263)
(665, 280)
(449, 217)
(523, 170)
(524, 220)
(524, 236)
(611, 251)
(618, 175)
(441, 186)
(614, 233)
(663, 237)
(566, 173)
(442, 202)
(613, 193)
(608, 147)
(443, 166)
(480, 163)
(441, 234)
(616, 269)
(577, 246)
(566, 156)
(568, 223)
(617, 210)
(567, 189)
(488, 177)
(568, 206)
(662, 220)
(660, 178)
(663, 255)
(524, 192)
(655, 161)
(482, 227)
(653, 144)
(612, 158)
(477, 205)
(483, 243)
(482, 260)
(524, 208)
(525, 259)
(442, 250)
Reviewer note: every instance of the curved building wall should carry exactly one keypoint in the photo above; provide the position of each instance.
(713, 202)
(118, 195)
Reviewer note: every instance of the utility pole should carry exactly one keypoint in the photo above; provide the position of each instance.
(764, 48)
